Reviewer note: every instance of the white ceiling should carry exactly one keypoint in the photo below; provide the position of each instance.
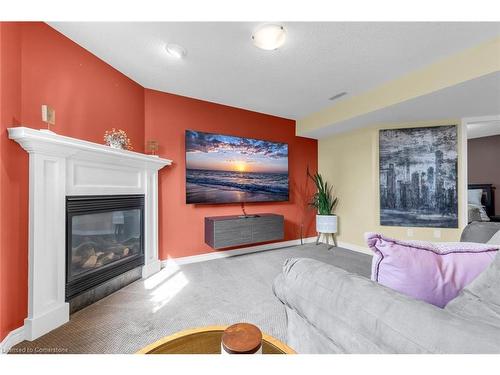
(473, 98)
(317, 61)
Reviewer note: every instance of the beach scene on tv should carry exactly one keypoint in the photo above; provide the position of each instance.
(229, 169)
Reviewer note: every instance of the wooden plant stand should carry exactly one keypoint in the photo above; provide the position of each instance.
(327, 235)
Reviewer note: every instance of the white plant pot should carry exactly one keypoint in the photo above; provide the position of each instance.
(326, 223)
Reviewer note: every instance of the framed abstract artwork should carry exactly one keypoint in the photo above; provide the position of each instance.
(418, 177)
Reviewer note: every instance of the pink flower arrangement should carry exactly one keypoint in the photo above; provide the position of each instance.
(117, 139)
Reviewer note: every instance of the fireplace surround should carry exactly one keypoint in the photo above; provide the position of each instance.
(61, 167)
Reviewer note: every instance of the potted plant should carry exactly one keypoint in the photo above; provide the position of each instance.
(324, 202)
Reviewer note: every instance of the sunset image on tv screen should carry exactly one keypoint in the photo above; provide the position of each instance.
(229, 169)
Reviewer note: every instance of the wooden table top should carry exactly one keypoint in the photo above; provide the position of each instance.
(206, 340)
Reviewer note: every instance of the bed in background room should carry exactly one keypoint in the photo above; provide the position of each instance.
(481, 203)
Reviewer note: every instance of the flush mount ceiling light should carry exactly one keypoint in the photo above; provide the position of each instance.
(176, 51)
(269, 37)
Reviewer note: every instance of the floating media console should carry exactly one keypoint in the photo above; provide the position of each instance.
(228, 231)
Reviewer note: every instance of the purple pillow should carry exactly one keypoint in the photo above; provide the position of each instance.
(434, 272)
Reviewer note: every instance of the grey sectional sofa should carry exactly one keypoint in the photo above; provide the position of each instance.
(478, 231)
(332, 311)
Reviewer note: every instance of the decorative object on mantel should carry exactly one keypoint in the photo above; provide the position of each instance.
(48, 116)
(324, 202)
(152, 147)
(117, 139)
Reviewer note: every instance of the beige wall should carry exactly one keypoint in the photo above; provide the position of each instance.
(350, 162)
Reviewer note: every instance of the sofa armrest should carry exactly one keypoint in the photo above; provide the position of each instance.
(350, 309)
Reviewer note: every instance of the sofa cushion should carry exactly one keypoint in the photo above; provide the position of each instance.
(495, 240)
(431, 272)
(480, 300)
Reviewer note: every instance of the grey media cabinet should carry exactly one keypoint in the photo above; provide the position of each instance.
(227, 231)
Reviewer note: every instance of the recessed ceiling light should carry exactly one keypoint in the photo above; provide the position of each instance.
(269, 37)
(176, 51)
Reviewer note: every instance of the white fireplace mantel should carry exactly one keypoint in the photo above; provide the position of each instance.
(60, 166)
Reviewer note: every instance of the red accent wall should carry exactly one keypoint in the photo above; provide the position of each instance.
(483, 155)
(89, 96)
(181, 226)
(41, 66)
(13, 187)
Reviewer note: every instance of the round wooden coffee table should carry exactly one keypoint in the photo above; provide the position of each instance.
(206, 340)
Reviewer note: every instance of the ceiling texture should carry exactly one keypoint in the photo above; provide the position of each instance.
(473, 98)
(318, 60)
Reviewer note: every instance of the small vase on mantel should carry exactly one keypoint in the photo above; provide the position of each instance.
(152, 147)
(117, 139)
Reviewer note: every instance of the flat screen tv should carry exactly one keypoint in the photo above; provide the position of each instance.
(228, 169)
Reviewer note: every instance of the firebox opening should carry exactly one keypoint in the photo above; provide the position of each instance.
(105, 239)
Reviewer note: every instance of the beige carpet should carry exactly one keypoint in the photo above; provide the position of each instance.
(217, 292)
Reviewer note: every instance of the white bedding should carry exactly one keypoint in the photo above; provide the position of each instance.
(477, 213)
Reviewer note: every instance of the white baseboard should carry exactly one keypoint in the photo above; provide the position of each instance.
(151, 268)
(41, 324)
(255, 249)
(357, 248)
(230, 253)
(13, 338)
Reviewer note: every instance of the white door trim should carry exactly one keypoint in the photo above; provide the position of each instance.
(462, 213)
(463, 216)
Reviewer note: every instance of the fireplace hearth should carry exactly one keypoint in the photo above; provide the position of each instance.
(104, 239)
